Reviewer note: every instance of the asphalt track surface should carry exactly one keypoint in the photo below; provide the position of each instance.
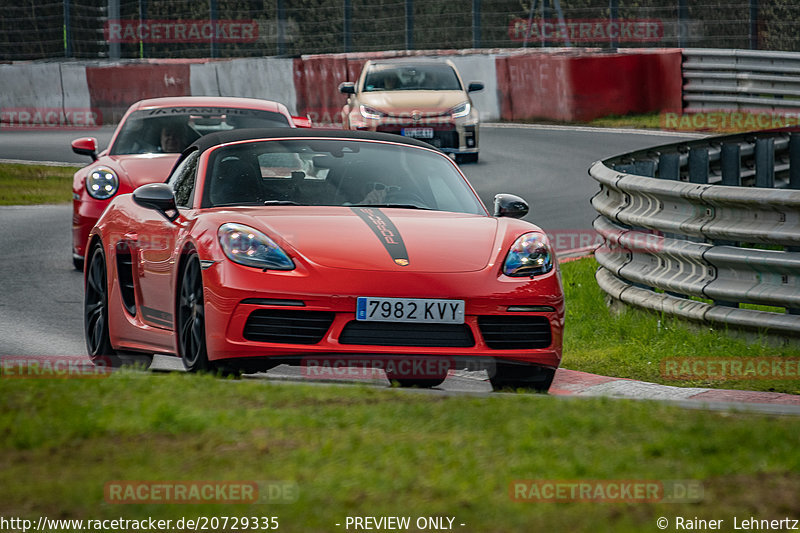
(41, 295)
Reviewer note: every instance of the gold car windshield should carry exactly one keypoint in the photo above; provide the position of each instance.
(435, 77)
(336, 172)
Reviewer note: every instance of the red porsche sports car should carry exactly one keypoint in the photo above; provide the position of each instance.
(146, 143)
(275, 246)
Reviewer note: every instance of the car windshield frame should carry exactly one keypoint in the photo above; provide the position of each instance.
(335, 172)
(412, 77)
(170, 130)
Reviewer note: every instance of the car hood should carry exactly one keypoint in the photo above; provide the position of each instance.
(383, 239)
(145, 168)
(410, 100)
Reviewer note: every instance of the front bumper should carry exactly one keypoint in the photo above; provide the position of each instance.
(457, 139)
(459, 136)
(234, 295)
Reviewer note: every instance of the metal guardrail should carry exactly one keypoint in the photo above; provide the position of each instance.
(696, 229)
(740, 79)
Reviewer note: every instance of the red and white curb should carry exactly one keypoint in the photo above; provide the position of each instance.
(575, 383)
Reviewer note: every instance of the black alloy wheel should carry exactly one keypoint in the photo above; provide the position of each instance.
(95, 319)
(95, 307)
(191, 325)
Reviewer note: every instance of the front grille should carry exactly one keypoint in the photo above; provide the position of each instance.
(405, 334)
(503, 332)
(287, 326)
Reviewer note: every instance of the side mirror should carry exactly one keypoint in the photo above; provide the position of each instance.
(302, 122)
(347, 87)
(85, 146)
(157, 196)
(475, 86)
(508, 205)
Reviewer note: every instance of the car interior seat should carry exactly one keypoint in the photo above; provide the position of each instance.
(235, 181)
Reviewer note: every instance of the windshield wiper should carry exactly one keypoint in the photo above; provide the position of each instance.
(281, 202)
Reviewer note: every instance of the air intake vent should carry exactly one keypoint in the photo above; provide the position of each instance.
(404, 334)
(125, 274)
(287, 326)
(501, 332)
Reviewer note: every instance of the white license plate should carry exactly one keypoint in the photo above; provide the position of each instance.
(418, 133)
(421, 310)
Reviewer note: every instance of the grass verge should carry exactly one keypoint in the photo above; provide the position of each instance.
(362, 451)
(711, 123)
(35, 184)
(634, 343)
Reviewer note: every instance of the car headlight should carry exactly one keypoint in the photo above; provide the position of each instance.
(530, 255)
(371, 113)
(461, 110)
(102, 183)
(247, 246)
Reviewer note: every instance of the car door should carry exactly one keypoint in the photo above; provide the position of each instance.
(157, 243)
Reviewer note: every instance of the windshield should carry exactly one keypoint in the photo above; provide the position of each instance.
(435, 77)
(172, 129)
(336, 172)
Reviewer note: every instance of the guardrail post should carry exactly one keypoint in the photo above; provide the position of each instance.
(645, 168)
(794, 183)
(731, 163)
(794, 161)
(627, 168)
(698, 165)
(669, 166)
(765, 163)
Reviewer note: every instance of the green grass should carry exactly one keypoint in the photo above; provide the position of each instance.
(633, 344)
(649, 121)
(35, 184)
(710, 123)
(363, 451)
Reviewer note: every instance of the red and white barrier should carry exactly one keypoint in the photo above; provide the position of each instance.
(582, 87)
(557, 84)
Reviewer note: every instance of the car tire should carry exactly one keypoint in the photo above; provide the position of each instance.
(522, 376)
(467, 158)
(77, 263)
(191, 326)
(95, 319)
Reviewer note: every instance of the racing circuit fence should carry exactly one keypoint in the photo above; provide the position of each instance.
(120, 29)
(721, 219)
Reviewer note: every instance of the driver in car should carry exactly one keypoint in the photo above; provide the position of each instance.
(173, 138)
